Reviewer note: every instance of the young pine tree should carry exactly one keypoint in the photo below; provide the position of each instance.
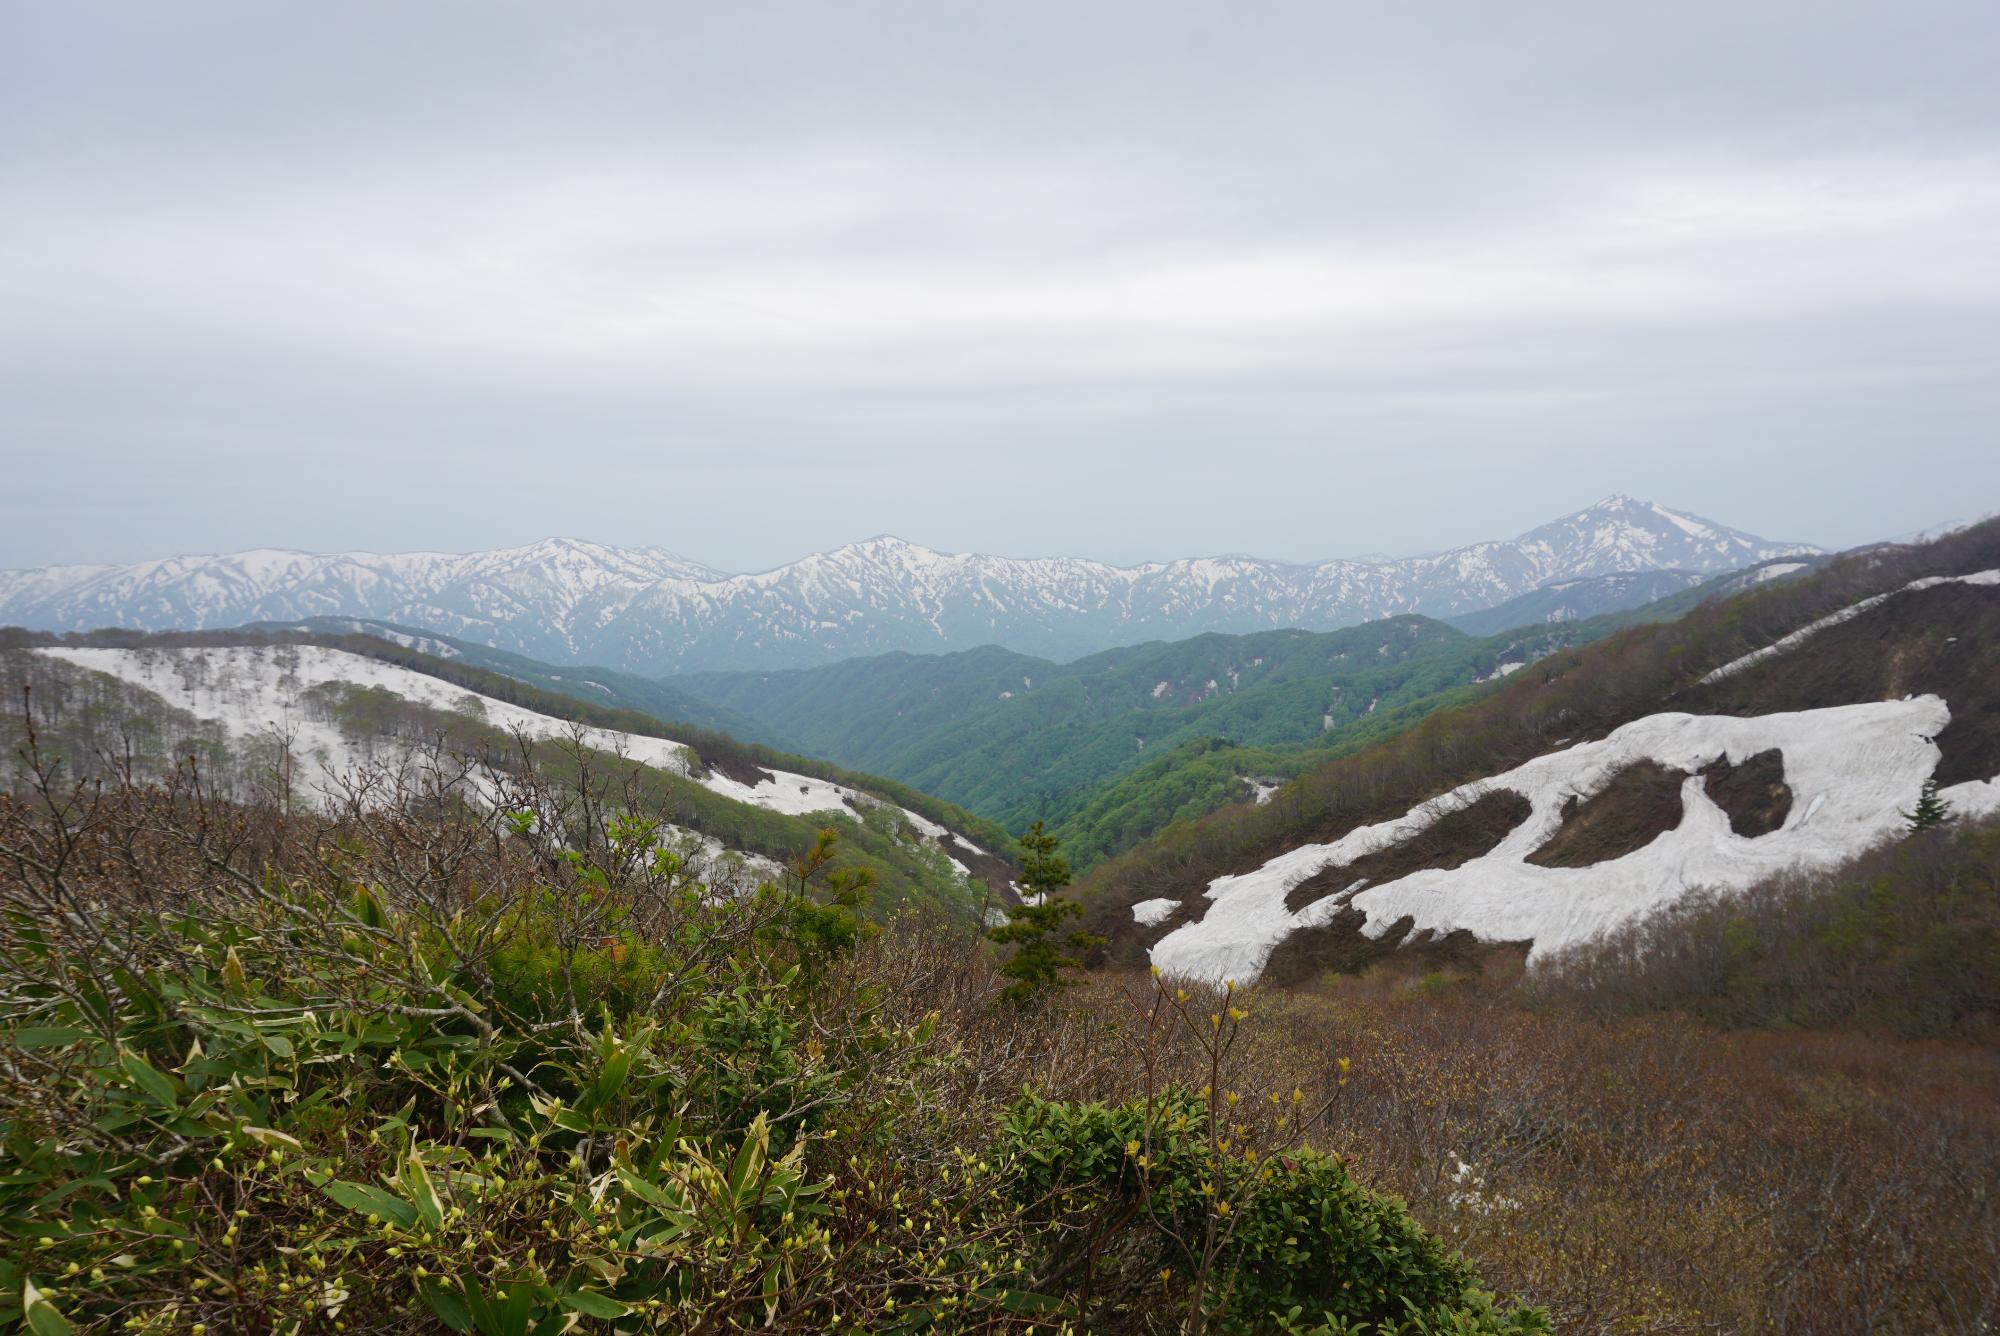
(822, 909)
(1931, 810)
(1035, 925)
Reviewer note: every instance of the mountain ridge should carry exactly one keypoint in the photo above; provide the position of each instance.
(649, 610)
(1859, 680)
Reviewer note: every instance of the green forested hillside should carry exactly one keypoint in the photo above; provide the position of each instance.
(1169, 727)
(872, 705)
(1203, 774)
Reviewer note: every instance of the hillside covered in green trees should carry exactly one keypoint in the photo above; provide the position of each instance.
(1112, 748)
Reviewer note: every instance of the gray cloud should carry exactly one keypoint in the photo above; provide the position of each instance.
(1119, 279)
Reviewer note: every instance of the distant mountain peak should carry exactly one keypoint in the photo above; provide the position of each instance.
(649, 610)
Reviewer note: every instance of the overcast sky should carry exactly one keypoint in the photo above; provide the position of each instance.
(1122, 280)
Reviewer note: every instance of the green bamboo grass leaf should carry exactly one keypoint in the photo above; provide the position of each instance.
(150, 1079)
(416, 1180)
(750, 1159)
(367, 1200)
(450, 1308)
(592, 1305)
(42, 1317)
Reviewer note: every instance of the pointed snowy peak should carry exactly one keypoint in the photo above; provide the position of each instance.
(1626, 533)
(886, 550)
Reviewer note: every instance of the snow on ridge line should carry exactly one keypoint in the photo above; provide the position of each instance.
(1850, 769)
(1846, 614)
(250, 688)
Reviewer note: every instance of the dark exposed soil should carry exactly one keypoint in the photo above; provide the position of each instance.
(1460, 837)
(1641, 803)
(1754, 794)
(1337, 946)
(738, 768)
(995, 871)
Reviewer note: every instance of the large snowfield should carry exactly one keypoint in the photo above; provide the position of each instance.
(256, 690)
(1850, 768)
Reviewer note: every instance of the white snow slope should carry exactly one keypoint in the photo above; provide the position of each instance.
(1850, 768)
(255, 689)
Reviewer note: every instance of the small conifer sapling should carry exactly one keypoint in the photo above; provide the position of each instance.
(1043, 954)
(1931, 811)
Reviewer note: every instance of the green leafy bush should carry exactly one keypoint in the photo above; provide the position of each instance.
(1302, 1237)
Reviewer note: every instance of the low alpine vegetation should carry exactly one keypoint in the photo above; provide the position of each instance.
(504, 1067)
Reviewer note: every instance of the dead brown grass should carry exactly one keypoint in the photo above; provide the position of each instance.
(1634, 1175)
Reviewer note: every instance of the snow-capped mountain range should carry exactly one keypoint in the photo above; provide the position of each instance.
(647, 610)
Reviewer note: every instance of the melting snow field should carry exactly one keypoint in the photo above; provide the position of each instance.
(1850, 769)
(252, 690)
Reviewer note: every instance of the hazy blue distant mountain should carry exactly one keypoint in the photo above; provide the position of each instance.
(1573, 600)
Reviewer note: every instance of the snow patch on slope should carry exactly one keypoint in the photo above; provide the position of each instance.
(253, 689)
(256, 690)
(1850, 767)
(721, 869)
